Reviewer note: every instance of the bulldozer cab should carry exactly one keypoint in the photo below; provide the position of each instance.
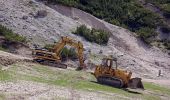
(109, 62)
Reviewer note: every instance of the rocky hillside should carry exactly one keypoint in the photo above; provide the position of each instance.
(42, 24)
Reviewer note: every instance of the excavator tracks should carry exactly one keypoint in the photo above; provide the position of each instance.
(111, 81)
(51, 63)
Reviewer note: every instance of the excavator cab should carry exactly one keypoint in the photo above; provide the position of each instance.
(110, 62)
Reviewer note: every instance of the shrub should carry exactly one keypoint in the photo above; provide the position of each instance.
(68, 53)
(167, 14)
(10, 35)
(97, 36)
(146, 33)
(49, 47)
(165, 29)
(166, 43)
(125, 13)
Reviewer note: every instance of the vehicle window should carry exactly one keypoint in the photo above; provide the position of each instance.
(108, 63)
(114, 65)
(103, 62)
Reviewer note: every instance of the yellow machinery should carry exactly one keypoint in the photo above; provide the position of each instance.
(52, 57)
(108, 75)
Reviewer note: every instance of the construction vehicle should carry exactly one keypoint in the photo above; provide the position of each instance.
(108, 74)
(52, 57)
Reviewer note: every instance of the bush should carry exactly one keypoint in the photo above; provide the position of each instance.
(97, 36)
(9, 35)
(165, 29)
(68, 53)
(167, 14)
(125, 13)
(166, 43)
(146, 33)
(49, 47)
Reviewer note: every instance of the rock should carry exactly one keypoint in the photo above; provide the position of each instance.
(25, 27)
(133, 60)
(41, 14)
(157, 63)
(101, 52)
(2, 19)
(31, 13)
(25, 17)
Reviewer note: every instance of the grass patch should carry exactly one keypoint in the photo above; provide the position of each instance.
(4, 75)
(157, 88)
(2, 97)
(10, 35)
(93, 35)
(2, 49)
(79, 80)
(58, 98)
(151, 97)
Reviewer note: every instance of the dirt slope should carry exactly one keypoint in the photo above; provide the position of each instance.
(9, 59)
(132, 54)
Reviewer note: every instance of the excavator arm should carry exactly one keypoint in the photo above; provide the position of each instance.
(53, 56)
(68, 41)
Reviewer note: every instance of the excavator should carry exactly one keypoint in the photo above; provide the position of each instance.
(52, 57)
(105, 73)
(108, 74)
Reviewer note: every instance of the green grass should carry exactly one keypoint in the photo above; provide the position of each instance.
(2, 96)
(2, 49)
(10, 35)
(4, 75)
(157, 88)
(100, 37)
(78, 80)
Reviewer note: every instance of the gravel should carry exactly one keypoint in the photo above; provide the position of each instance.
(24, 90)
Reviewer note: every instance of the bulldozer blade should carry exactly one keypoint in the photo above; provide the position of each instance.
(135, 83)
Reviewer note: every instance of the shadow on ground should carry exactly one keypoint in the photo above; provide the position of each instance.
(124, 89)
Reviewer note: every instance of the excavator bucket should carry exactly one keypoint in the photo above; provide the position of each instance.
(135, 83)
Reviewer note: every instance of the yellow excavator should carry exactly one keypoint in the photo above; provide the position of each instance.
(52, 57)
(108, 74)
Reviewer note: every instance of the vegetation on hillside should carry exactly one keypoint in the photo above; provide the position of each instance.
(67, 53)
(164, 5)
(93, 35)
(125, 13)
(10, 35)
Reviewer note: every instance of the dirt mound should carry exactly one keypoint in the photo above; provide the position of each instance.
(8, 58)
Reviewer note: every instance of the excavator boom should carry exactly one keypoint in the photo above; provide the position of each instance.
(54, 55)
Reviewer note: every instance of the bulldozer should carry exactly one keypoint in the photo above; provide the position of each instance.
(52, 57)
(108, 74)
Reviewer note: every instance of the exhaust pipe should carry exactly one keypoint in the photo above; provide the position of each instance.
(135, 83)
